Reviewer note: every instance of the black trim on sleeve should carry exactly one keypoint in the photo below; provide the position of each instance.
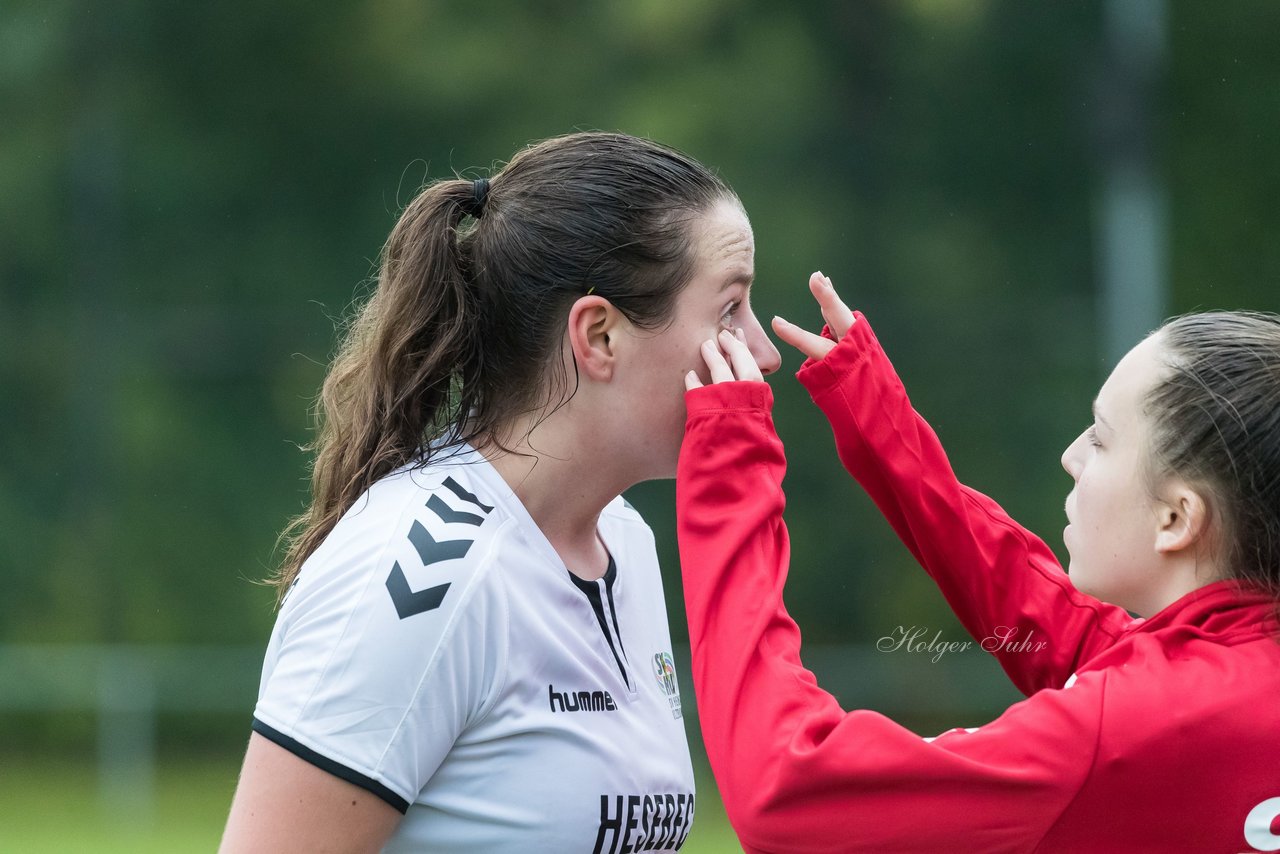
(324, 763)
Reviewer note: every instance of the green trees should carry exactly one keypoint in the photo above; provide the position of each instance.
(191, 195)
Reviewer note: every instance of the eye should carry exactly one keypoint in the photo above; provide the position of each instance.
(727, 317)
(1092, 435)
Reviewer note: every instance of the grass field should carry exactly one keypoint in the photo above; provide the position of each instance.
(52, 806)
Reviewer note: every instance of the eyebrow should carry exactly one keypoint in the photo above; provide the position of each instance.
(1097, 416)
(738, 278)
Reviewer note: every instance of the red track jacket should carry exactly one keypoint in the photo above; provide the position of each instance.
(1157, 735)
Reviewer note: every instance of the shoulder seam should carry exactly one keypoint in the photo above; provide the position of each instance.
(500, 683)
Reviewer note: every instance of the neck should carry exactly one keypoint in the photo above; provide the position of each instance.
(564, 482)
(1186, 573)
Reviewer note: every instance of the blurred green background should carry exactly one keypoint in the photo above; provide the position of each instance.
(191, 195)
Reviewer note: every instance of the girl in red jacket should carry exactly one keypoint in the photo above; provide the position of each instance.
(1157, 733)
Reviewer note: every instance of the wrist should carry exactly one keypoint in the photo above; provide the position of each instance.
(739, 395)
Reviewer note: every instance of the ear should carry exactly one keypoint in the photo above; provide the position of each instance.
(1182, 517)
(593, 333)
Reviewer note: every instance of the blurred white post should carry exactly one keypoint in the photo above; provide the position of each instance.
(128, 686)
(1133, 263)
(126, 735)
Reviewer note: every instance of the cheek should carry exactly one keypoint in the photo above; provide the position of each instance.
(665, 364)
(1092, 492)
(1108, 517)
(685, 353)
(698, 365)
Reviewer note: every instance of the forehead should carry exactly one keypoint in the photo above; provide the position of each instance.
(723, 236)
(1134, 376)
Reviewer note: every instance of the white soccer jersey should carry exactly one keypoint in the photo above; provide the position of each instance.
(436, 651)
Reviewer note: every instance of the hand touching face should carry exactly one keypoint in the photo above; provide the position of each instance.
(728, 358)
(740, 364)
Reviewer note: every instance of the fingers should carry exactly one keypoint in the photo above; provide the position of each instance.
(740, 365)
(812, 345)
(745, 366)
(716, 364)
(837, 315)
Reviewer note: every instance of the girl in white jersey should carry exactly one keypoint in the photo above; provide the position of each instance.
(472, 651)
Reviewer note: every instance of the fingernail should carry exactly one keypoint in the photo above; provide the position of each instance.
(819, 272)
(782, 320)
(742, 336)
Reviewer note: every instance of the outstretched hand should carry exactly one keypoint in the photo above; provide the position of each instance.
(837, 315)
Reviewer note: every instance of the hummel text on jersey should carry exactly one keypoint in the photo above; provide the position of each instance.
(643, 822)
(580, 701)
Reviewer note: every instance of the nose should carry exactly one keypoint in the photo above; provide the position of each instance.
(761, 347)
(1071, 457)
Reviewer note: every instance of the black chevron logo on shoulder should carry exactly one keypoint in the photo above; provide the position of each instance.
(454, 487)
(432, 550)
(409, 602)
(446, 513)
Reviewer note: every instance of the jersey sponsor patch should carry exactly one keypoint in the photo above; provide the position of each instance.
(664, 669)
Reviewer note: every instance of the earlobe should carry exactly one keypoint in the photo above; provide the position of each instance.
(591, 331)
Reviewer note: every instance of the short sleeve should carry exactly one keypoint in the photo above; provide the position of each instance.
(390, 645)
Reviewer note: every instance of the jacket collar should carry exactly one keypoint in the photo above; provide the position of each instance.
(1223, 607)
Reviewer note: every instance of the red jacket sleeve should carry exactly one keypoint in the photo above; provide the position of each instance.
(1002, 581)
(796, 772)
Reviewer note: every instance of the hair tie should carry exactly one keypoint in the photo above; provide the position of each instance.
(474, 207)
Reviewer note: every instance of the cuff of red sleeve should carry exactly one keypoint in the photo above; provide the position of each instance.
(856, 346)
(740, 395)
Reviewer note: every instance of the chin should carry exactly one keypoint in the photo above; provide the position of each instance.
(658, 472)
(659, 469)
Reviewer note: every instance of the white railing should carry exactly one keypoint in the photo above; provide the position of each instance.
(126, 687)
